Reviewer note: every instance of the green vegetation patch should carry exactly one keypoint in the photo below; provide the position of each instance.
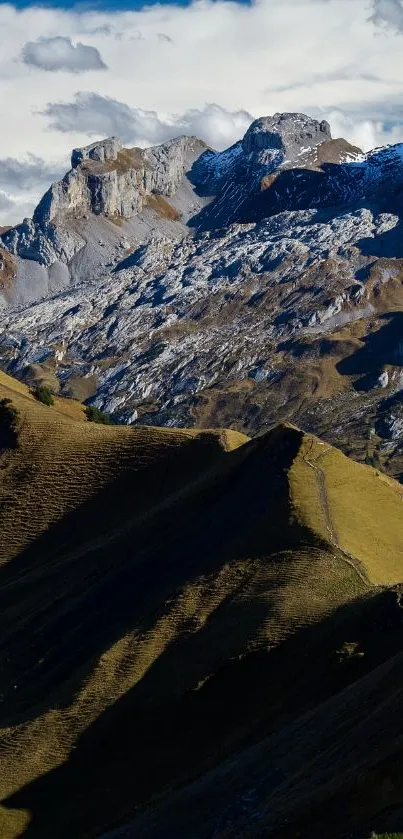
(44, 394)
(94, 414)
(387, 836)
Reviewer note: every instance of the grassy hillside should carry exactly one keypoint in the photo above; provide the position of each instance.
(60, 464)
(356, 508)
(334, 772)
(170, 597)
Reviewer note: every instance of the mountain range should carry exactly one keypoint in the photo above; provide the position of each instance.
(181, 286)
(201, 614)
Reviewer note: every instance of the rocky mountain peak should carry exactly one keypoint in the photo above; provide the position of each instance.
(107, 179)
(115, 197)
(101, 150)
(289, 133)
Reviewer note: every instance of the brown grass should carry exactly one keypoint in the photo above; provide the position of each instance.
(126, 159)
(161, 207)
(7, 273)
(358, 507)
(144, 572)
(81, 388)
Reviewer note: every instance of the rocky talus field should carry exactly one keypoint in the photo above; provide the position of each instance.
(201, 592)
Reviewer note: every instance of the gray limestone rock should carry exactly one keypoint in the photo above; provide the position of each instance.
(102, 150)
(106, 180)
(112, 181)
(287, 133)
(179, 187)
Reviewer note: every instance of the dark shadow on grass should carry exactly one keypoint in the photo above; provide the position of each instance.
(107, 570)
(144, 745)
(109, 567)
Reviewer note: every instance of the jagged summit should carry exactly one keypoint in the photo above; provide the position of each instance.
(101, 150)
(288, 132)
(115, 198)
(107, 179)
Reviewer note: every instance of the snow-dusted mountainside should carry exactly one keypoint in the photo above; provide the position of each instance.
(115, 198)
(220, 288)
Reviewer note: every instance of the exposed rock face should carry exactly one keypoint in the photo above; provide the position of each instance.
(287, 133)
(104, 150)
(275, 150)
(230, 313)
(243, 307)
(285, 163)
(109, 180)
(106, 180)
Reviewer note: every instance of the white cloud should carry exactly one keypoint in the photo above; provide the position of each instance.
(6, 203)
(388, 13)
(59, 53)
(22, 182)
(365, 133)
(335, 59)
(97, 115)
(28, 173)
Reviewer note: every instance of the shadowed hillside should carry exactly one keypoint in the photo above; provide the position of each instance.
(170, 598)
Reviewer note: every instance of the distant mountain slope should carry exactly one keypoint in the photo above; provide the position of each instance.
(114, 199)
(109, 200)
(169, 597)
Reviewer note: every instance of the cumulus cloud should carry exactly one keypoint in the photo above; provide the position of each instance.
(97, 115)
(22, 183)
(5, 203)
(388, 13)
(59, 53)
(32, 173)
(367, 130)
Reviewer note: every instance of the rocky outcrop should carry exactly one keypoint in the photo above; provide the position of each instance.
(109, 180)
(100, 151)
(289, 162)
(285, 162)
(274, 148)
(175, 318)
(269, 143)
(286, 133)
(106, 180)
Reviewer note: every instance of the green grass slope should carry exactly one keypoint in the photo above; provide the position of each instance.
(167, 599)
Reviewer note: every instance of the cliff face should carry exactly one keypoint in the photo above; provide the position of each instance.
(115, 198)
(107, 179)
(293, 313)
(288, 133)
